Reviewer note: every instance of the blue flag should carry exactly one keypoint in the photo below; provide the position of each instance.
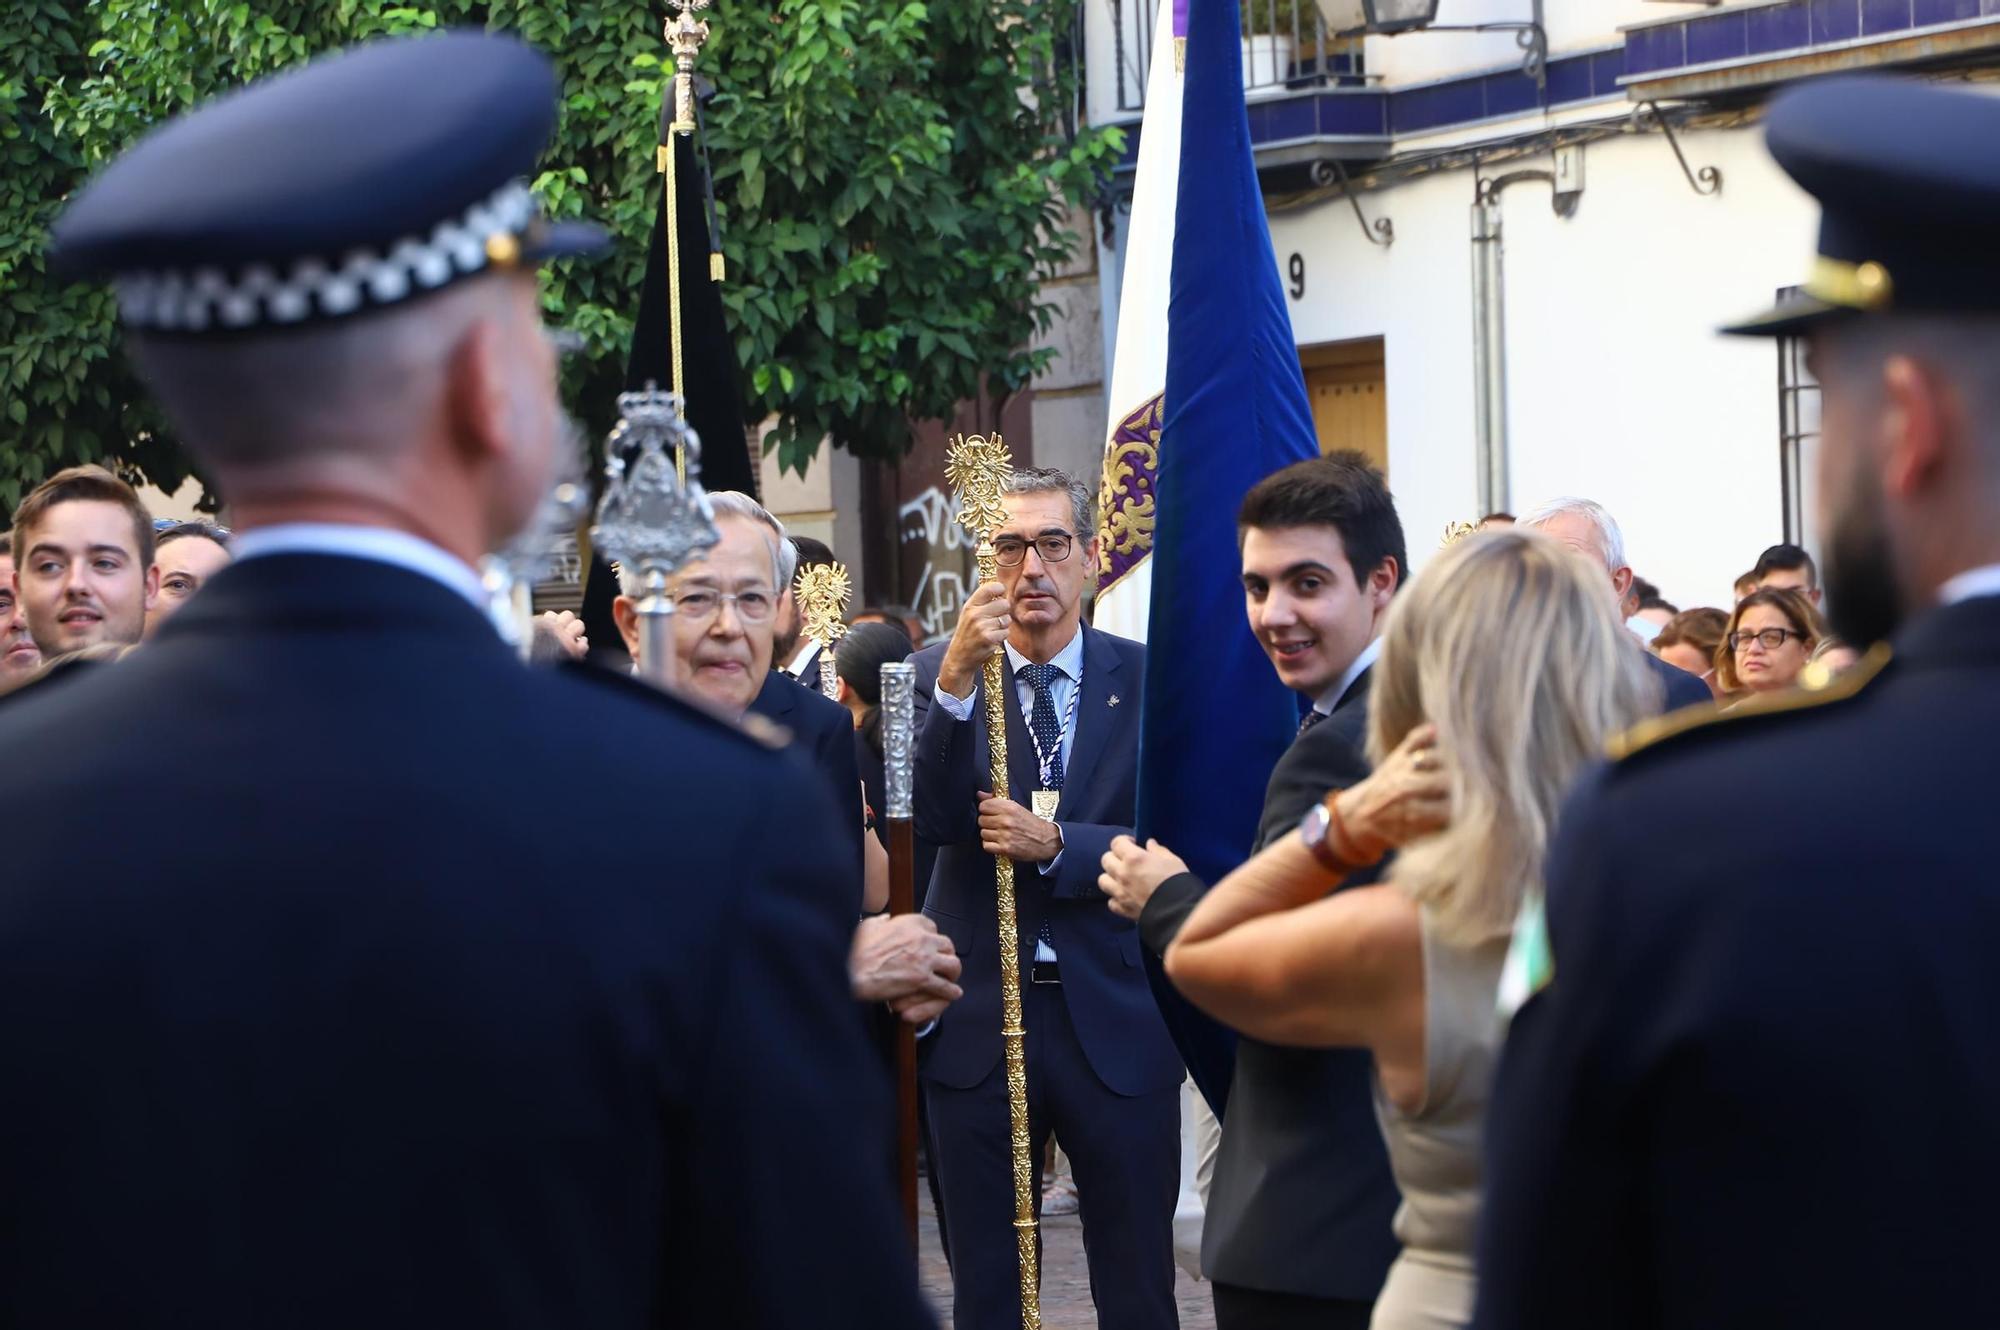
(1216, 718)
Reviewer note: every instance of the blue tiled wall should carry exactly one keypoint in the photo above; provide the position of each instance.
(1707, 38)
(1653, 50)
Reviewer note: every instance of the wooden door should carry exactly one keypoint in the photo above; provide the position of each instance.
(1350, 404)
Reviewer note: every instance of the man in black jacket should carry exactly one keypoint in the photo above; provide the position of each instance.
(390, 1026)
(1297, 1229)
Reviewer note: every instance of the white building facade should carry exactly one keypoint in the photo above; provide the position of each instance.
(1628, 209)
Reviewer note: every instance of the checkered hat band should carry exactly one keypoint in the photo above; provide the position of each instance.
(207, 299)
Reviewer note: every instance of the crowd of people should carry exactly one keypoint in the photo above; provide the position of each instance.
(474, 990)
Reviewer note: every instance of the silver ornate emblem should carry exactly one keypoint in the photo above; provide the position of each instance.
(647, 521)
(899, 681)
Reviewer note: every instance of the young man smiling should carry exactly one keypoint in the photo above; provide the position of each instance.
(1297, 1228)
(83, 560)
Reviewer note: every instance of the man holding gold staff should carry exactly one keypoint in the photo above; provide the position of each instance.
(1102, 1073)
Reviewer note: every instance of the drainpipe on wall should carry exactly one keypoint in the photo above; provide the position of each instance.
(1489, 316)
(1489, 353)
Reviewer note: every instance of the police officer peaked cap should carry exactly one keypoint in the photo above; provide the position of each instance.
(1907, 175)
(356, 182)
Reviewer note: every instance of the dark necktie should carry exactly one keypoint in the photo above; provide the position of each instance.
(1047, 729)
(1045, 724)
(1313, 717)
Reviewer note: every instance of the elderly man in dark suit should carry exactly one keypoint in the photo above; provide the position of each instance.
(1297, 1226)
(1591, 531)
(1101, 1069)
(389, 1027)
(728, 605)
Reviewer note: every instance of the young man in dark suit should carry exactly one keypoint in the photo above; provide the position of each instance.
(390, 1027)
(1101, 1069)
(1297, 1226)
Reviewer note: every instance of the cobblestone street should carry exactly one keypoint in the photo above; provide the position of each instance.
(1065, 1278)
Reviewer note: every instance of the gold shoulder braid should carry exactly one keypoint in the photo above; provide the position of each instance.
(1659, 729)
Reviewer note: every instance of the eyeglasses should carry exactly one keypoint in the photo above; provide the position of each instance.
(699, 605)
(1009, 551)
(1771, 638)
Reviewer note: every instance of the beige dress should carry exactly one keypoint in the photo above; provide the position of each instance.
(1434, 1152)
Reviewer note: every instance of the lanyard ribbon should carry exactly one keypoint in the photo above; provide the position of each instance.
(1047, 764)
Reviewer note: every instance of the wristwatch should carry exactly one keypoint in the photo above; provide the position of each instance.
(1315, 828)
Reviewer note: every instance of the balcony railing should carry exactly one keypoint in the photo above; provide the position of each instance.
(1286, 44)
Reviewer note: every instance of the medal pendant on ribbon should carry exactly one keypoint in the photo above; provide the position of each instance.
(1044, 804)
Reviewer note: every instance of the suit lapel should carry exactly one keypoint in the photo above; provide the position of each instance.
(1357, 692)
(774, 700)
(1096, 718)
(1021, 772)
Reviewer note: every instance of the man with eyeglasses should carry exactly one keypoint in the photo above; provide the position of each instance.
(1102, 1072)
(726, 609)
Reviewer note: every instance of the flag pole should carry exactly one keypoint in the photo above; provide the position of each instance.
(977, 468)
(898, 778)
(685, 35)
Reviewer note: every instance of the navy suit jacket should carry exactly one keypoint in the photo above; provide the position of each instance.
(1678, 687)
(330, 996)
(822, 733)
(1761, 1087)
(1109, 1001)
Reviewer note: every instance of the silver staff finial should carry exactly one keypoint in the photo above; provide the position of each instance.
(647, 521)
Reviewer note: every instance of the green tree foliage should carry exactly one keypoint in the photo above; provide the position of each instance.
(890, 181)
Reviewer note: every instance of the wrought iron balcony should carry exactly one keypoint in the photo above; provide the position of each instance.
(1286, 46)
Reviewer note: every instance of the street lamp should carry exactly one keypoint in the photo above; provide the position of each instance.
(1378, 16)
(1352, 18)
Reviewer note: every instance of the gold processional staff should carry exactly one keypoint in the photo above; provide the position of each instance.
(978, 467)
(822, 596)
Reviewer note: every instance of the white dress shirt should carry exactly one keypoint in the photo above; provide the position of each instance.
(373, 543)
(1062, 690)
(1982, 581)
(1331, 697)
(796, 666)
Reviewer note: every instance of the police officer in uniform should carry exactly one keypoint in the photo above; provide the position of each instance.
(387, 1025)
(1761, 1087)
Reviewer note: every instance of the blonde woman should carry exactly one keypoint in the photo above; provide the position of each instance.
(1504, 669)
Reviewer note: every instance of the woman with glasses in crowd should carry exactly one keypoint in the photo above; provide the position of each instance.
(1771, 636)
(1504, 670)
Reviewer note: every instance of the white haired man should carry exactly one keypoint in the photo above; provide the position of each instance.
(1590, 530)
(727, 605)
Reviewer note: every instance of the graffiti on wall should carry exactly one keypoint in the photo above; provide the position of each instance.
(933, 541)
